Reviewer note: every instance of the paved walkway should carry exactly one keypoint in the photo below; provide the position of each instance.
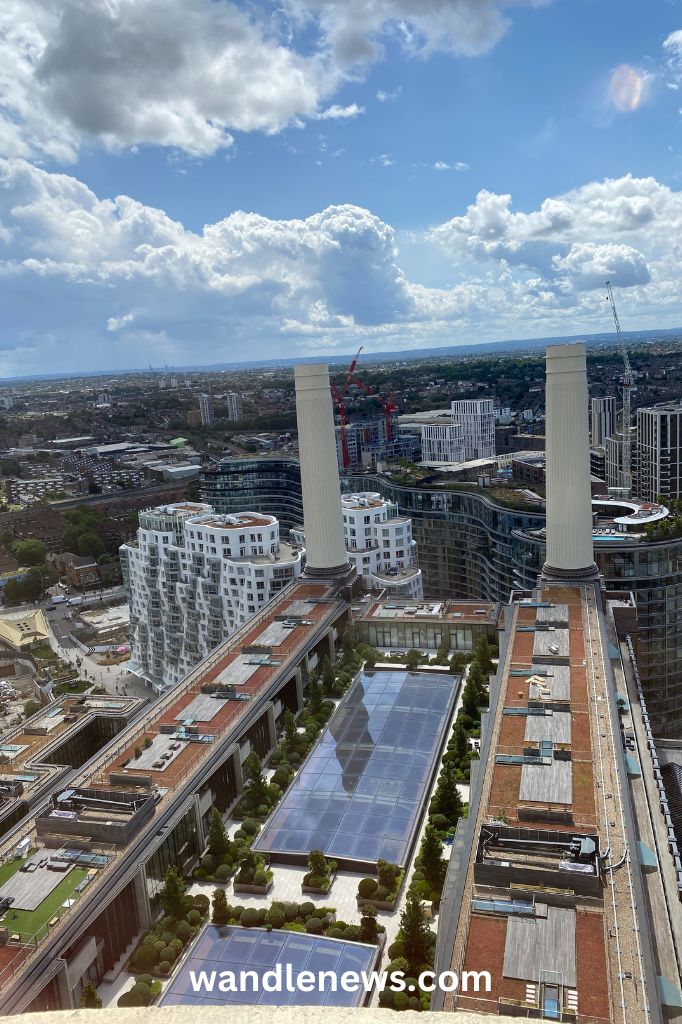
(114, 678)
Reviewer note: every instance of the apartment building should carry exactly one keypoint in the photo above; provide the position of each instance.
(379, 544)
(602, 419)
(443, 442)
(658, 457)
(477, 419)
(206, 410)
(194, 576)
(234, 406)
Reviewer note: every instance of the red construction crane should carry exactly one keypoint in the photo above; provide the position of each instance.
(339, 396)
(387, 404)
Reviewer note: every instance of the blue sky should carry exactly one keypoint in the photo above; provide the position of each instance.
(195, 180)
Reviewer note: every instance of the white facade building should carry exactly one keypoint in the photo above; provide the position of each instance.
(658, 453)
(234, 406)
(206, 410)
(192, 578)
(443, 442)
(603, 419)
(379, 544)
(476, 417)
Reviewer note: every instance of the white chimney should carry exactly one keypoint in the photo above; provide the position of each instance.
(570, 552)
(322, 513)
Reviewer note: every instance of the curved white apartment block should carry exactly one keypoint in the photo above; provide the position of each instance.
(193, 577)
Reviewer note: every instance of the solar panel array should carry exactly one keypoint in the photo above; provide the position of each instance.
(359, 794)
(236, 949)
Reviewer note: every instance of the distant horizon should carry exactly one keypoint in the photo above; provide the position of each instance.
(511, 345)
(200, 182)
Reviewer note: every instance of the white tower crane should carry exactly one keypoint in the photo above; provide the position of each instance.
(628, 388)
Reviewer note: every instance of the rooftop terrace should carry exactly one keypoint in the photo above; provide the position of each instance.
(534, 905)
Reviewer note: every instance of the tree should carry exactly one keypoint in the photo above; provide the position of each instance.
(414, 932)
(255, 786)
(218, 843)
(31, 707)
(368, 924)
(446, 800)
(318, 864)
(348, 647)
(371, 658)
(220, 913)
(458, 662)
(328, 679)
(315, 693)
(89, 998)
(6, 536)
(90, 544)
(29, 552)
(290, 733)
(172, 895)
(459, 744)
(13, 592)
(412, 658)
(483, 655)
(431, 858)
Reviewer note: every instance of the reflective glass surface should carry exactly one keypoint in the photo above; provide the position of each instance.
(359, 794)
(233, 949)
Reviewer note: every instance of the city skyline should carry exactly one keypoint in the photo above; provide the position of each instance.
(443, 177)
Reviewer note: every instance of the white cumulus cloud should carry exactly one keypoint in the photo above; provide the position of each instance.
(249, 283)
(187, 74)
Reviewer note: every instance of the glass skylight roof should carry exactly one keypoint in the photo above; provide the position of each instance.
(235, 949)
(359, 794)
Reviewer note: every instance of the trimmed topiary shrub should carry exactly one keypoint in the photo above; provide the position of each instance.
(143, 992)
(395, 950)
(146, 956)
(164, 967)
(306, 909)
(223, 872)
(367, 887)
(167, 937)
(260, 877)
(249, 917)
(129, 999)
(351, 932)
(168, 953)
(184, 929)
(144, 979)
(209, 863)
(291, 911)
(276, 916)
(250, 826)
(414, 1003)
(314, 926)
(202, 903)
(401, 1001)
(194, 917)
(155, 988)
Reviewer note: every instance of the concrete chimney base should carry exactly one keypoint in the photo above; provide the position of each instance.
(590, 574)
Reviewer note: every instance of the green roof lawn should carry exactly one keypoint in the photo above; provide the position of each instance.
(28, 922)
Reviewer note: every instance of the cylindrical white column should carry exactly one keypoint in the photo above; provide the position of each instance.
(322, 514)
(570, 552)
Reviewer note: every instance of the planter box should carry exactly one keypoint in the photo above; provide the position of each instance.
(367, 901)
(316, 890)
(249, 889)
